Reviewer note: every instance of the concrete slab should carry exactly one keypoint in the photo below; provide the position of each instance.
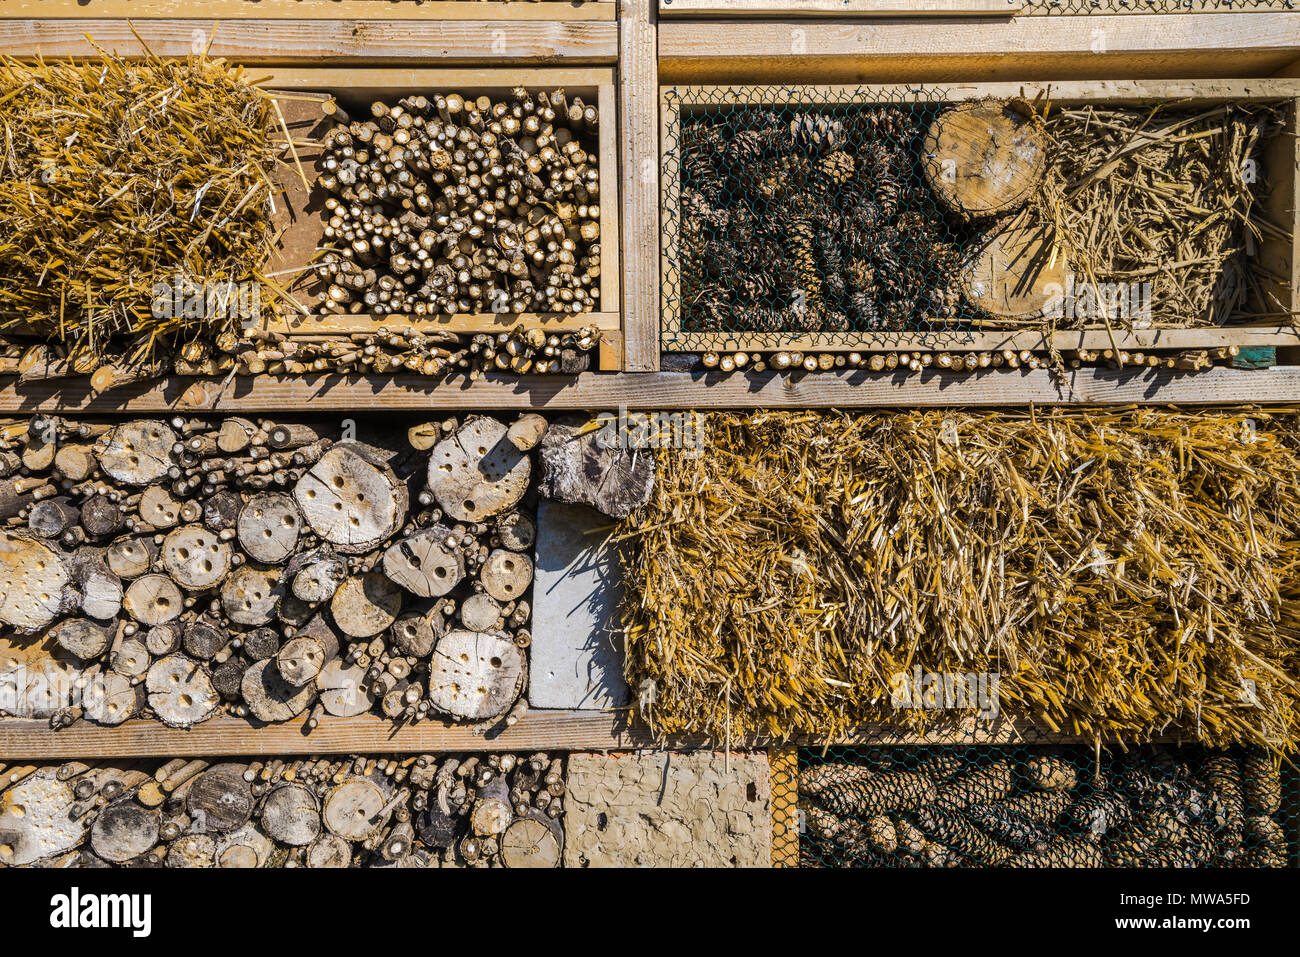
(661, 809)
(576, 657)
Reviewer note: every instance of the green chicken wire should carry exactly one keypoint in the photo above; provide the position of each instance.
(1033, 806)
(1075, 8)
(805, 211)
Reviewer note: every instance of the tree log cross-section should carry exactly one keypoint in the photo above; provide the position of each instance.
(136, 453)
(351, 498)
(268, 527)
(478, 472)
(986, 157)
(475, 675)
(32, 582)
(423, 564)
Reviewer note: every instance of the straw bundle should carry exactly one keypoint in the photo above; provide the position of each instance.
(1168, 195)
(1126, 574)
(118, 176)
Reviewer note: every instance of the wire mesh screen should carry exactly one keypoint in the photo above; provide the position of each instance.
(833, 217)
(1036, 806)
(1083, 7)
(792, 218)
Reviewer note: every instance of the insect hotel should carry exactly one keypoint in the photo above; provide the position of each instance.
(462, 434)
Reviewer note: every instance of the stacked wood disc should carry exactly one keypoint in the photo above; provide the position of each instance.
(984, 160)
(385, 351)
(953, 363)
(405, 811)
(1042, 807)
(184, 566)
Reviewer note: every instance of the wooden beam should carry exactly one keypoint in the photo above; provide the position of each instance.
(667, 390)
(639, 140)
(316, 41)
(535, 731)
(950, 49)
(140, 10)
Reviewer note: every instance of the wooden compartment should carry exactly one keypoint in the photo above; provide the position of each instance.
(1247, 822)
(286, 810)
(314, 9)
(113, 520)
(303, 222)
(1277, 254)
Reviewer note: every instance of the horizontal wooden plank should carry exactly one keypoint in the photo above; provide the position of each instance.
(934, 50)
(536, 730)
(315, 9)
(362, 82)
(1033, 340)
(458, 41)
(668, 390)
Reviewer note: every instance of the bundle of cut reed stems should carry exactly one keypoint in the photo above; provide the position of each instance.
(1127, 575)
(1168, 195)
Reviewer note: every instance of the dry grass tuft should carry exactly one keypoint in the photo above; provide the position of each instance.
(1128, 574)
(116, 176)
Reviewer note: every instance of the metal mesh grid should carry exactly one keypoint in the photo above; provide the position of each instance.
(812, 217)
(1044, 806)
(793, 218)
(1076, 8)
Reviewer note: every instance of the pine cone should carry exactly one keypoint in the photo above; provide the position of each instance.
(838, 167)
(805, 263)
(862, 275)
(815, 131)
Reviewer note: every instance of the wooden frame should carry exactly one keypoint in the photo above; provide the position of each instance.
(536, 730)
(354, 87)
(859, 389)
(321, 41)
(1280, 255)
(312, 9)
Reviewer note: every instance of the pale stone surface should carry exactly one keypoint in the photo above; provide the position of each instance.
(658, 809)
(577, 648)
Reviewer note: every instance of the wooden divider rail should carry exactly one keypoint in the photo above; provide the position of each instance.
(313, 9)
(301, 213)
